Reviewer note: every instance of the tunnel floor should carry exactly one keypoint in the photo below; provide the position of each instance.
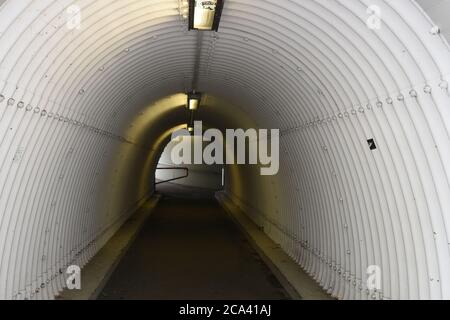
(190, 249)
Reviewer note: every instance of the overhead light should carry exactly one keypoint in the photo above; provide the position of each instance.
(193, 102)
(205, 14)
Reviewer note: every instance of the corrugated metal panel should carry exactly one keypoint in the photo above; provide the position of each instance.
(312, 68)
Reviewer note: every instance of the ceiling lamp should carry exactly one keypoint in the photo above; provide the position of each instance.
(193, 102)
(205, 14)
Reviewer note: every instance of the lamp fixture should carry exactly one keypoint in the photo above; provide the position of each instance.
(193, 102)
(204, 15)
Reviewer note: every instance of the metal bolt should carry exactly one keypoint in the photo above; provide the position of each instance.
(413, 93)
(435, 30)
(443, 85)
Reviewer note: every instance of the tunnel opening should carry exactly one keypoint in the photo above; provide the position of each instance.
(187, 176)
(190, 246)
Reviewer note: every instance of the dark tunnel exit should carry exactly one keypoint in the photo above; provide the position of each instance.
(189, 175)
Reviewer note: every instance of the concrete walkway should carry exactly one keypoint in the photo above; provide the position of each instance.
(190, 249)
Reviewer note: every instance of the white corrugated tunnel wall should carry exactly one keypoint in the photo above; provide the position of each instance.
(91, 89)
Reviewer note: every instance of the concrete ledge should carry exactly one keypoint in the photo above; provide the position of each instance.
(295, 281)
(96, 273)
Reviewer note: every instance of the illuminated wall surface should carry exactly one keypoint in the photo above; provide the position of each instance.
(86, 109)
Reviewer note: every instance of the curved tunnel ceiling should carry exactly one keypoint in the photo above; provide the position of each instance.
(69, 98)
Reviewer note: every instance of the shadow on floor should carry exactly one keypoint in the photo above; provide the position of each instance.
(190, 249)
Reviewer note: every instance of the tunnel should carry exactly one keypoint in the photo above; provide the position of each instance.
(91, 92)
